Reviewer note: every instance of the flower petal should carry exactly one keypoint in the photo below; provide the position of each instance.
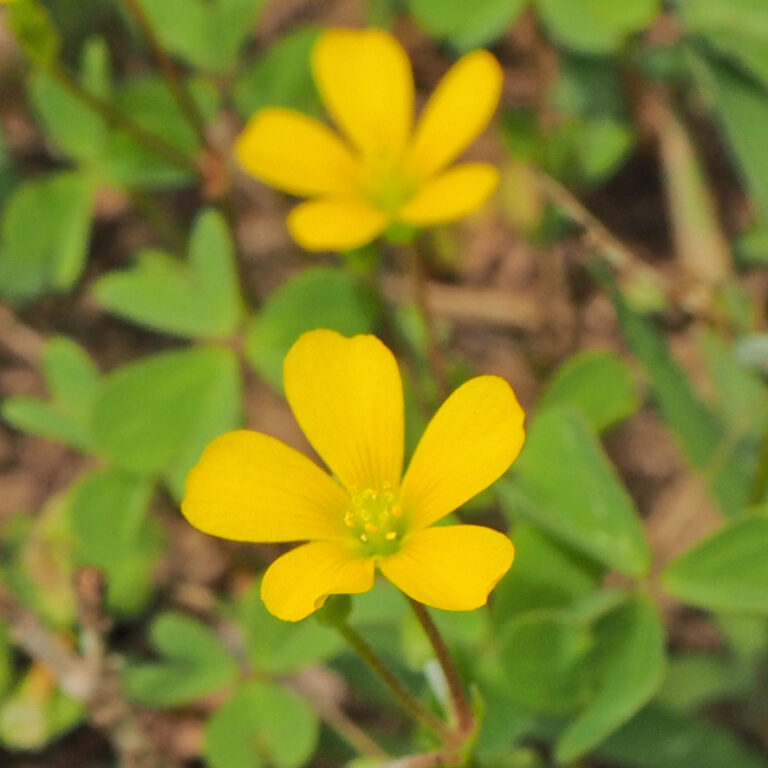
(251, 487)
(470, 442)
(451, 195)
(335, 224)
(299, 582)
(296, 154)
(452, 567)
(459, 109)
(348, 398)
(365, 80)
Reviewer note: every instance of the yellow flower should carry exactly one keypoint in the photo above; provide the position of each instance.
(382, 170)
(347, 397)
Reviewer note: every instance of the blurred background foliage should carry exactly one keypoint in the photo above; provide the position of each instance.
(150, 292)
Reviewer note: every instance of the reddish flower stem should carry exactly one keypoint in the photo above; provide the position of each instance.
(176, 84)
(465, 721)
(408, 702)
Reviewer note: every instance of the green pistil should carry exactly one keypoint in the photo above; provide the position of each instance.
(387, 187)
(376, 520)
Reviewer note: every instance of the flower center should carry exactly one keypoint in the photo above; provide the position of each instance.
(376, 520)
(385, 182)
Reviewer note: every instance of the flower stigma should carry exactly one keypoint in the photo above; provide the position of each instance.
(384, 182)
(376, 519)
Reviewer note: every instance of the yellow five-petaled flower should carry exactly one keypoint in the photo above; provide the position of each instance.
(381, 170)
(347, 397)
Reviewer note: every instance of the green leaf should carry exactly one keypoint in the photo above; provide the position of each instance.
(322, 297)
(565, 484)
(657, 738)
(466, 25)
(599, 147)
(547, 574)
(696, 679)
(542, 658)
(104, 150)
(279, 648)
(7, 662)
(38, 564)
(727, 572)
(73, 383)
(741, 397)
(742, 106)
(32, 27)
(44, 235)
(112, 533)
(596, 26)
(195, 664)
(206, 33)
(9, 172)
(262, 724)
(699, 432)
(73, 126)
(156, 415)
(282, 77)
(599, 384)
(628, 665)
(36, 712)
(150, 103)
(198, 298)
(737, 29)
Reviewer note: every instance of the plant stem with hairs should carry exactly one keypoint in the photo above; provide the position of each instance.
(118, 119)
(176, 84)
(407, 701)
(465, 721)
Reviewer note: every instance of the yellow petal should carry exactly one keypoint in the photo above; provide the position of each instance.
(365, 79)
(451, 195)
(251, 487)
(470, 442)
(295, 153)
(335, 224)
(453, 567)
(348, 398)
(458, 110)
(299, 582)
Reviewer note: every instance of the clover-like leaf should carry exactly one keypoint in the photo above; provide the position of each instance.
(207, 33)
(262, 724)
(198, 298)
(599, 384)
(279, 648)
(282, 77)
(195, 663)
(596, 26)
(565, 484)
(466, 25)
(73, 383)
(322, 297)
(112, 532)
(155, 416)
(627, 664)
(44, 235)
(727, 571)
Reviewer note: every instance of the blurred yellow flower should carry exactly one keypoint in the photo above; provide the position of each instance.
(381, 170)
(347, 397)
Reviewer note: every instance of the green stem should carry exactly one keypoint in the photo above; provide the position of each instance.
(417, 270)
(407, 701)
(115, 117)
(463, 711)
(760, 481)
(183, 98)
